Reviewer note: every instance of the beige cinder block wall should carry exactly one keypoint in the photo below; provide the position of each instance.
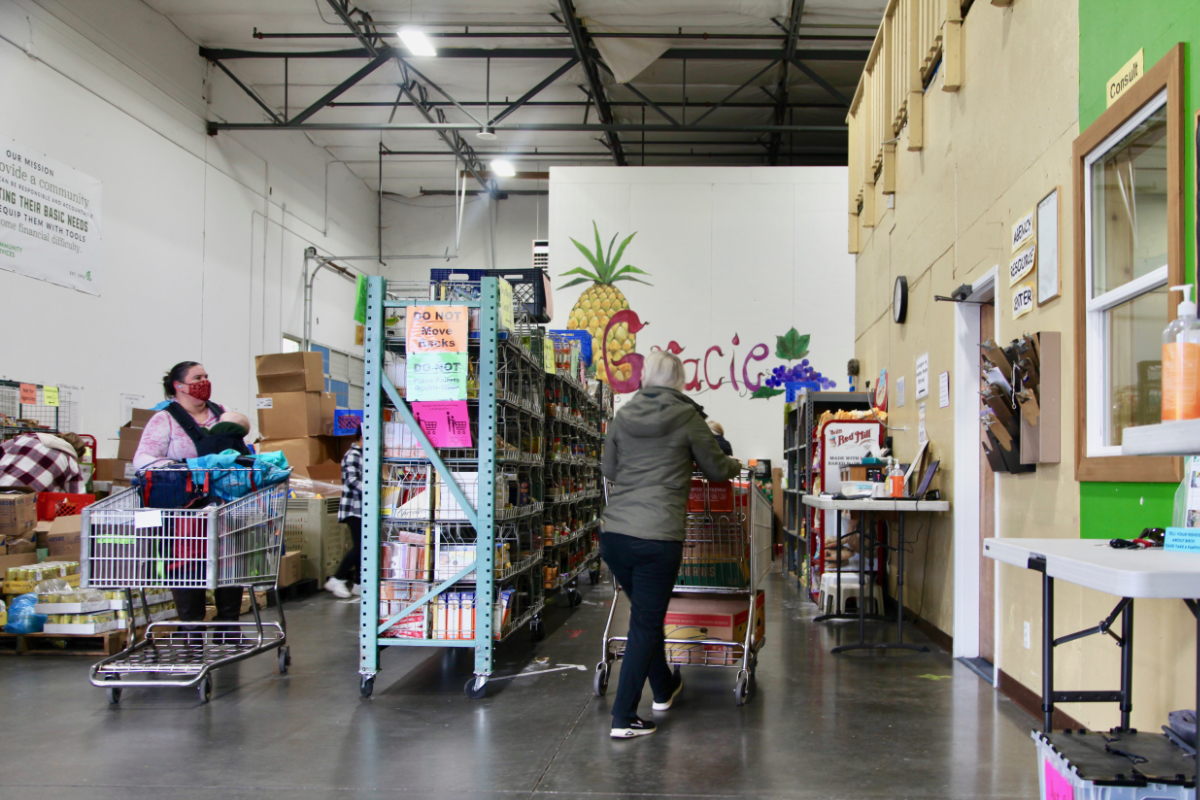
(991, 151)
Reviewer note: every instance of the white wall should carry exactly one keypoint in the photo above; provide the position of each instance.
(203, 236)
(731, 251)
(426, 226)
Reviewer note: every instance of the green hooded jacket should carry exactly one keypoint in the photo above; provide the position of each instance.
(649, 454)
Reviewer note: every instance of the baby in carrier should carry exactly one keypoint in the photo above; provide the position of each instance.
(229, 433)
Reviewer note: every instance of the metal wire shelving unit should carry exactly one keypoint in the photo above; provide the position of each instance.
(461, 529)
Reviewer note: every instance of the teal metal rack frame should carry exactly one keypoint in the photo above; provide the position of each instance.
(480, 516)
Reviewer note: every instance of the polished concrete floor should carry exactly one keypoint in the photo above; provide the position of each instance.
(860, 725)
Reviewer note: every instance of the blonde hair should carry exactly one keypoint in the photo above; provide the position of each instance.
(663, 369)
(716, 427)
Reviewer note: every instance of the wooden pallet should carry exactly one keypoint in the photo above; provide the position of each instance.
(78, 644)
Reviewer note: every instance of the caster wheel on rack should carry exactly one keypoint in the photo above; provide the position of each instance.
(574, 598)
(206, 689)
(600, 680)
(114, 695)
(474, 691)
(594, 576)
(285, 659)
(537, 630)
(366, 685)
(741, 692)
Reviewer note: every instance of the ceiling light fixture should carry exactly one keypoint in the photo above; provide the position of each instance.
(417, 42)
(486, 133)
(503, 168)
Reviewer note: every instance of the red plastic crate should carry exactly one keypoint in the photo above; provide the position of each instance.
(59, 504)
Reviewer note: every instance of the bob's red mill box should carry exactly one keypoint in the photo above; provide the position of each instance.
(711, 616)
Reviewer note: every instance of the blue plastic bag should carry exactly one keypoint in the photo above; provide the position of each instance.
(21, 617)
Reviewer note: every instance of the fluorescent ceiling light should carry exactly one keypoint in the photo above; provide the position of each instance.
(417, 42)
(503, 168)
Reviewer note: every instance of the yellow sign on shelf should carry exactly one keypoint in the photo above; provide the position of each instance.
(50, 395)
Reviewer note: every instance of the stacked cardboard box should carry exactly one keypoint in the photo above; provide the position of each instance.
(18, 530)
(119, 471)
(295, 415)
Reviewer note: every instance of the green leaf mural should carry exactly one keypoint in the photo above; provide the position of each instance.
(791, 345)
(766, 392)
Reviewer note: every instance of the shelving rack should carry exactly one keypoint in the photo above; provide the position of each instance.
(801, 557)
(575, 424)
(480, 522)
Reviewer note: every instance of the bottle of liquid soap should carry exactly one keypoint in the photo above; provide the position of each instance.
(1181, 362)
(895, 479)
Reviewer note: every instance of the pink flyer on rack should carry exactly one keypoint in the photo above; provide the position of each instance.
(447, 423)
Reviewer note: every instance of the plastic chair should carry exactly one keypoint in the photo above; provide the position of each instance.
(849, 589)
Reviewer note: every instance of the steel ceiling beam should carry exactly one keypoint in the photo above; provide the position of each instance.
(781, 92)
(583, 103)
(534, 92)
(675, 53)
(706, 37)
(570, 127)
(250, 92)
(583, 50)
(338, 90)
(824, 84)
(730, 96)
(416, 95)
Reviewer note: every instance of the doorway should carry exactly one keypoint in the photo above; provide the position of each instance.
(987, 514)
(976, 494)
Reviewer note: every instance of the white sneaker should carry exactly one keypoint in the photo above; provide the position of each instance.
(356, 591)
(337, 588)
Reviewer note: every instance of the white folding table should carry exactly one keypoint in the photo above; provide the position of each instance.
(1126, 573)
(870, 506)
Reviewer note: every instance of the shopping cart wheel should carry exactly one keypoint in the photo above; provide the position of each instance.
(537, 630)
(206, 689)
(600, 680)
(366, 685)
(574, 598)
(594, 576)
(476, 688)
(285, 659)
(114, 695)
(741, 692)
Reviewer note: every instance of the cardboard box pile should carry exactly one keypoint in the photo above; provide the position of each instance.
(119, 471)
(18, 524)
(295, 414)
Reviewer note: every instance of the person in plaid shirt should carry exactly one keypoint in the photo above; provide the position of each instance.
(43, 462)
(350, 512)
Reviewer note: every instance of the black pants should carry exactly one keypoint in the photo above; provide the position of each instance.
(349, 567)
(646, 569)
(190, 604)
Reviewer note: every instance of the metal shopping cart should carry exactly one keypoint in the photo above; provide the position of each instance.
(727, 551)
(236, 543)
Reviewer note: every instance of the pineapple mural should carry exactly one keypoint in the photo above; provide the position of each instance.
(601, 301)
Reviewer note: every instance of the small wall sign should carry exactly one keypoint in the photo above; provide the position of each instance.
(1022, 264)
(1022, 300)
(1022, 231)
(1126, 76)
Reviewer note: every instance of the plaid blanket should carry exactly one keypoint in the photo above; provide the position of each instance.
(26, 461)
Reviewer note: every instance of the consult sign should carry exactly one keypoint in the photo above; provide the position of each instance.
(1126, 76)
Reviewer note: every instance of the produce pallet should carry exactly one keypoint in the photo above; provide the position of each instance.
(79, 644)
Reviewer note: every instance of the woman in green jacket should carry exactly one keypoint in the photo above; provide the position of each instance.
(649, 455)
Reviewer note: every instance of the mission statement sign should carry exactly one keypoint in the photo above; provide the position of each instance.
(49, 219)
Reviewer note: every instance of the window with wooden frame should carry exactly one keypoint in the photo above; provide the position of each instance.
(1128, 171)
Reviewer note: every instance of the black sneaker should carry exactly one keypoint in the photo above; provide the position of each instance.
(666, 704)
(638, 727)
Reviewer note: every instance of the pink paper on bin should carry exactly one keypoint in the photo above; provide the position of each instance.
(447, 424)
(1057, 787)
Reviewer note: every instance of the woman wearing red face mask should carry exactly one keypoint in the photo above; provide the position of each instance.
(172, 434)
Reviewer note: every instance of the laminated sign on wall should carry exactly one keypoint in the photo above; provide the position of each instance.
(437, 353)
(49, 219)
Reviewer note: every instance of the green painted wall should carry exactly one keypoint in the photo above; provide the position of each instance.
(1110, 32)
(1121, 510)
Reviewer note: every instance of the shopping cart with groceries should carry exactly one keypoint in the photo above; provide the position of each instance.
(185, 528)
(726, 556)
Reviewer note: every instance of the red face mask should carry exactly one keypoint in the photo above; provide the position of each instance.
(201, 390)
